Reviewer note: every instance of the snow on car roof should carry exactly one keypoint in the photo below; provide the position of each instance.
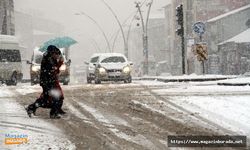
(107, 54)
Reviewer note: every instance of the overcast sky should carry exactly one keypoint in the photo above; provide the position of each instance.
(79, 26)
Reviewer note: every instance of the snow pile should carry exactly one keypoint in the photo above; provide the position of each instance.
(243, 80)
(5, 92)
(27, 89)
(41, 135)
(192, 76)
(212, 89)
(226, 106)
(14, 120)
(230, 112)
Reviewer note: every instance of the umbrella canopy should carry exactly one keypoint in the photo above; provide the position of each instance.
(59, 42)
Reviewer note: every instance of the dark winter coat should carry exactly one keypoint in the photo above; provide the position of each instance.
(49, 71)
(49, 78)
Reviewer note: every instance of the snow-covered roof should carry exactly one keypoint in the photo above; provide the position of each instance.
(8, 39)
(229, 13)
(243, 37)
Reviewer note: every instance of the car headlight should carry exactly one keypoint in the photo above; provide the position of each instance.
(102, 70)
(63, 67)
(126, 69)
(35, 68)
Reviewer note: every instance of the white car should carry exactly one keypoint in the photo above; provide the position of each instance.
(112, 67)
(35, 66)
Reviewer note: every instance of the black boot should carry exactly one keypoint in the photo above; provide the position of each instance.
(31, 109)
(54, 113)
(59, 105)
(55, 116)
(61, 112)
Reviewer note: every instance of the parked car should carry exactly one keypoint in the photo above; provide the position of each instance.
(10, 60)
(90, 69)
(112, 67)
(35, 66)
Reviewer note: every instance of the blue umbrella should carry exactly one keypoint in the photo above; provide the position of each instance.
(59, 42)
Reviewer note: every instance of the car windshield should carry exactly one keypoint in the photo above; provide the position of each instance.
(113, 59)
(94, 59)
(38, 59)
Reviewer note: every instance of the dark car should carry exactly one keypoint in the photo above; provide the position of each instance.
(35, 66)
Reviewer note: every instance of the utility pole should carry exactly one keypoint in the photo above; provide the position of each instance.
(134, 14)
(145, 34)
(180, 32)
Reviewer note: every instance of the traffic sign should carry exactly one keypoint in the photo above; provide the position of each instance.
(199, 28)
(200, 49)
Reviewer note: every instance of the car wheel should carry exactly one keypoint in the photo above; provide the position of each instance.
(65, 83)
(88, 80)
(128, 80)
(13, 80)
(32, 83)
(97, 81)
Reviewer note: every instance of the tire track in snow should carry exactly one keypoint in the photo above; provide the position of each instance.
(110, 125)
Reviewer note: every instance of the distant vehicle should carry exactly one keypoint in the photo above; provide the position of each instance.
(112, 67)
(10, 60)
(90, 69)
(35, 66)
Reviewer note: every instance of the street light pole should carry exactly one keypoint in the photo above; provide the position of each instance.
(134, 14)
(128, 32)
(100, 28)
(97, 47)
(145, 35)
(120, 25)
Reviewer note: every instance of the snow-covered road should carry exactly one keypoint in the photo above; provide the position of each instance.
(14, 121)
(120, 116)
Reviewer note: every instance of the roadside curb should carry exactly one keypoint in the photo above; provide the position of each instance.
(182, 80)
(233, 84)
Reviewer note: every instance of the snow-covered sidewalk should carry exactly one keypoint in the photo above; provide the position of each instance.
(14, 122)
(226, 106)
(187, 78)
(230, 112)
(240, 81)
